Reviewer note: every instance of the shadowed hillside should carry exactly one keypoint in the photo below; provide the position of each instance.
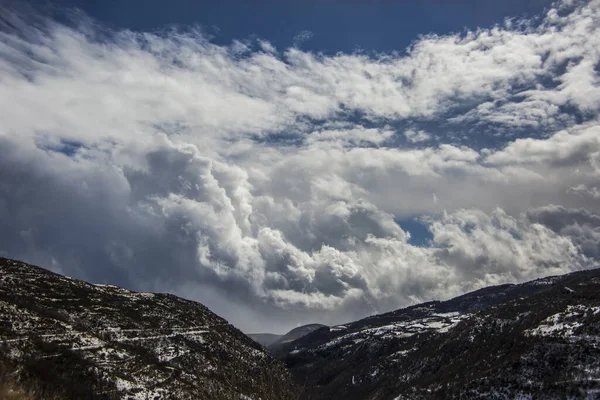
(72, 339)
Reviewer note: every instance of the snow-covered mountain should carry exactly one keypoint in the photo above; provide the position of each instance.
(80, 340)
(535, 340)
(62, 336)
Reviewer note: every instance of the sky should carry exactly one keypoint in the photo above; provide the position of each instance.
(290, 162)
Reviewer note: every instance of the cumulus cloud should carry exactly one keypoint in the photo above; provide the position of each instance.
(583, 190)
(268, 183)
(416, 136)
(581, 226)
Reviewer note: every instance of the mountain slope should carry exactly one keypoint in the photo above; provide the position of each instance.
(294, 335)
(273, 342)
(82, 341)
(535, 340)
(264, 339)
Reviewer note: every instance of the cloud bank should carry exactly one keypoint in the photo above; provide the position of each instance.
(272, 184)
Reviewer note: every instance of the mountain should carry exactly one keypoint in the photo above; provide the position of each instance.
(539, 339)
(273, 342)
(264, 339)
(66, 338)
(299, 332)
(294, 335)
(71, 339)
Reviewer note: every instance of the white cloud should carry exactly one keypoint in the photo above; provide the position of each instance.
(563, 148)
(351, 137)
(302, 37)
(583, 190)
(416, 136)
(274, 179)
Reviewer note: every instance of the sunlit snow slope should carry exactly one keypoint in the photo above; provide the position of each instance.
(537, 340)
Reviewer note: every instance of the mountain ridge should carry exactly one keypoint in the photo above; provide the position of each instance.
(79, 340)
(273, 342)
(73, 339)
(264, 339)
(463, 347)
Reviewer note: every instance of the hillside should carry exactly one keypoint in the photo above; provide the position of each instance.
(77, 340)
(535, 340)
(264, 339)
(297, 333)
(274, 342)
(71, 339)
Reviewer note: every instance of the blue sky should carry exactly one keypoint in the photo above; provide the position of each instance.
(346, 26)
(291, 162)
